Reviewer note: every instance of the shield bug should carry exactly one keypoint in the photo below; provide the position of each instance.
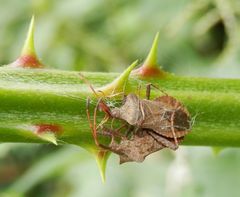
(140, 145)
(164, 115)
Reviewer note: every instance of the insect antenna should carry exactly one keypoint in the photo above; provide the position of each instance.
(88, 83)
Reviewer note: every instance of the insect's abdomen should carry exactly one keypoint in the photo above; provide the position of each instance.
(163, 115)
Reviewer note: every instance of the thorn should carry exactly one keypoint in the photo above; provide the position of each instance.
(119, 84)
(101, 158)
(150, 68)
(48, 132)
(28, 57)
(151, 60)
(28, 47)
(49, 137)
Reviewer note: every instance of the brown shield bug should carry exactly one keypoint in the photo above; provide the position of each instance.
(141, 144)
(164, 115)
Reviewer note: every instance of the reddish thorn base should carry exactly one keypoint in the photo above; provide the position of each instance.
(27, 61)
(145, 71)
(42, 128)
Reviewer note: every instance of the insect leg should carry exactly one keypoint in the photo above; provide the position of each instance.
(93, 126)
(117, 132)
(105, 119)
(88, 83)
(148, 90)
(95, 130)
(90, 123)
(95, 122)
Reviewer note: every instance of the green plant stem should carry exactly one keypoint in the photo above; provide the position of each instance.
(29, 97)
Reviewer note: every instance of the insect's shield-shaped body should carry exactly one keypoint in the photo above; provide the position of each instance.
(158, 115)
(143, 143)
(137, 148)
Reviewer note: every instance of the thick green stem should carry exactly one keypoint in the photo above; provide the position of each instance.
(29, 97)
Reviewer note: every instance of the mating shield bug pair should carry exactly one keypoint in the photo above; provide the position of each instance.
(151, 125)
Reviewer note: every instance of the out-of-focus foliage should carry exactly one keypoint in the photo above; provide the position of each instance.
(197, 37)
(188, 172)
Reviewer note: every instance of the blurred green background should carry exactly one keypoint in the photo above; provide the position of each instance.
(197, 38)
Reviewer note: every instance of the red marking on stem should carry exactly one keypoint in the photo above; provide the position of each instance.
(148, 71)
(27, 61)
(42, 128)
